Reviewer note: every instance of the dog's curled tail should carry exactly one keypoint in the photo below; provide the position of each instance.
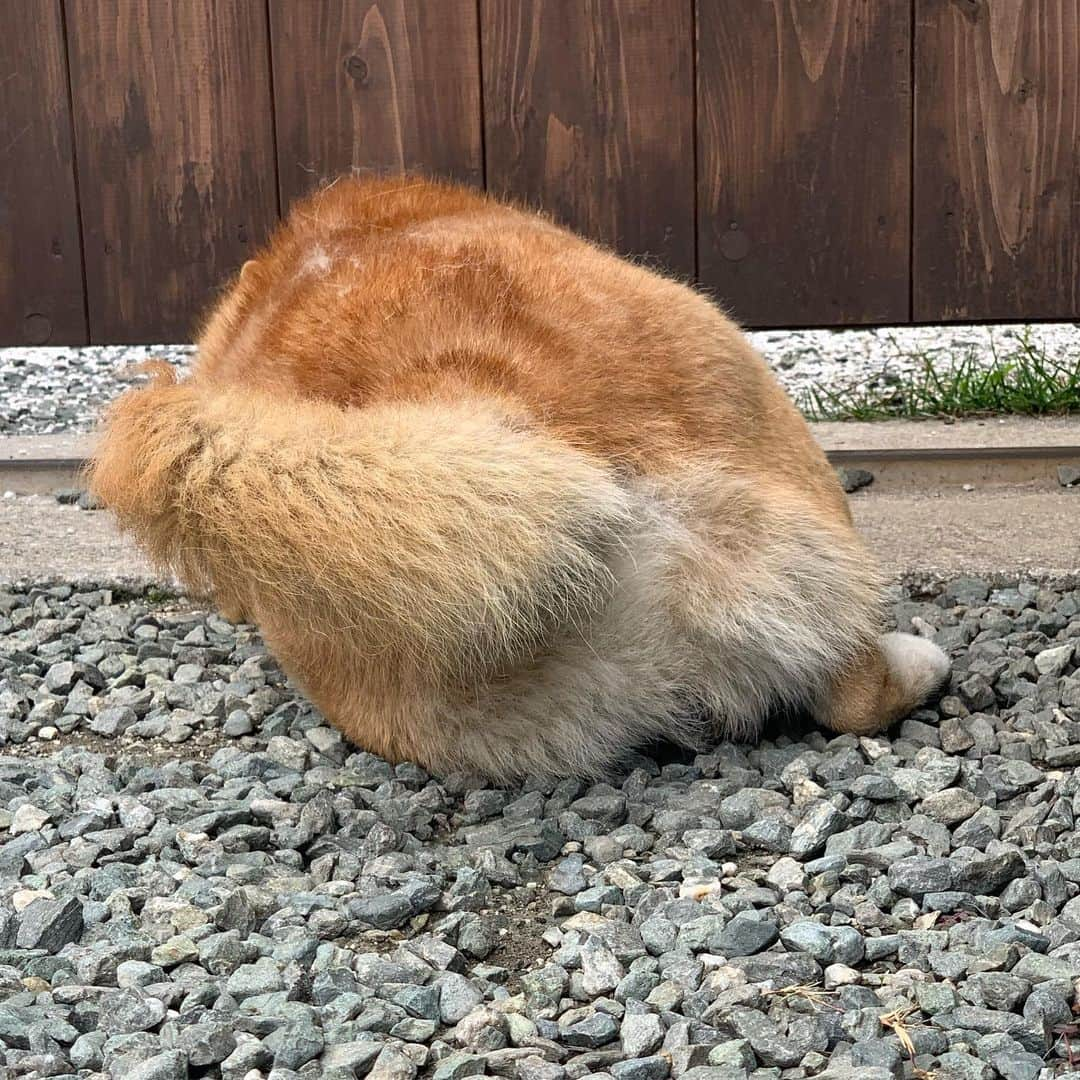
(445, 537)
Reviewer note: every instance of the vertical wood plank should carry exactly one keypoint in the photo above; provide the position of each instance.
(375, 85)
(588, 108)
(174, 134)
(804, 134)
(41, 278)
(997, 159)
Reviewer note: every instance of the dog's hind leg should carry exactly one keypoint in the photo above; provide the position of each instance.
(883, 685)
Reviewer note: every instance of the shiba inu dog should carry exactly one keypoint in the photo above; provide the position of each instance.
(501, 501)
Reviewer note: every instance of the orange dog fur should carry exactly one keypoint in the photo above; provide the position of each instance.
(501, 501)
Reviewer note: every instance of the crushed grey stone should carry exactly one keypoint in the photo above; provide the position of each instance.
(262, 896)
(50, 389)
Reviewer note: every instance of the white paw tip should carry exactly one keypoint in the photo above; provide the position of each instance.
(919, 663)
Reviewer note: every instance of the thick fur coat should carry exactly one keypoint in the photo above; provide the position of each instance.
(501, 501)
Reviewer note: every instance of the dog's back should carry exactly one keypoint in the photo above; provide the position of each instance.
(501, 500)
(388, 291)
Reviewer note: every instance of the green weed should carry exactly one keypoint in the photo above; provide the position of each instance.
(1023, 381)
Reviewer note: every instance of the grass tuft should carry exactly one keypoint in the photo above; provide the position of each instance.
(1024, 381)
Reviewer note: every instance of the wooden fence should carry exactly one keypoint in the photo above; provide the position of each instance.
(811, 162)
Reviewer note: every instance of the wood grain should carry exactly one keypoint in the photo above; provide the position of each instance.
(588, 108)
(375, 85)
(41, 278)
(997, 159)
(804, 134)
(174, 135)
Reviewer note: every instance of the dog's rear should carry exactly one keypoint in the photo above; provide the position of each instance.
(500, 500)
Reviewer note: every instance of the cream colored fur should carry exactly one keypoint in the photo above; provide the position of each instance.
(699, 642)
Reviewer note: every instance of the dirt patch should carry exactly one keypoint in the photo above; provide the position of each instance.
(527, 914)
(124, 750)
(519, 916)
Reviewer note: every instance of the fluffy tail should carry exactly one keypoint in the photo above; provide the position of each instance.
(446, 537)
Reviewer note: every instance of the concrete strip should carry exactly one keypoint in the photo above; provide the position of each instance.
(40, 464)
(996, 470)
(918, 520)
(21, 448)
(992, 433)
(1003, 452)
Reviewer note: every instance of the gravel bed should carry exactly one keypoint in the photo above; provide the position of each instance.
(199, 878)
(45, 391)
(51, 390)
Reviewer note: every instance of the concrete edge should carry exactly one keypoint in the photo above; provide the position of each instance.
(898, 454)
(993, 433)
(18, 449)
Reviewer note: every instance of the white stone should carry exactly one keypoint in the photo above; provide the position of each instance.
(1054, 661)
(786, 875)
(21, 899)
(874, 749)
(28, 818)
(840, 975)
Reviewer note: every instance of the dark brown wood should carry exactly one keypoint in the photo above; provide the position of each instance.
(997, 159)
(804, 132)
(41, 277)
(173, 128)
(588, 109)
(813, 201)
(376, 85)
